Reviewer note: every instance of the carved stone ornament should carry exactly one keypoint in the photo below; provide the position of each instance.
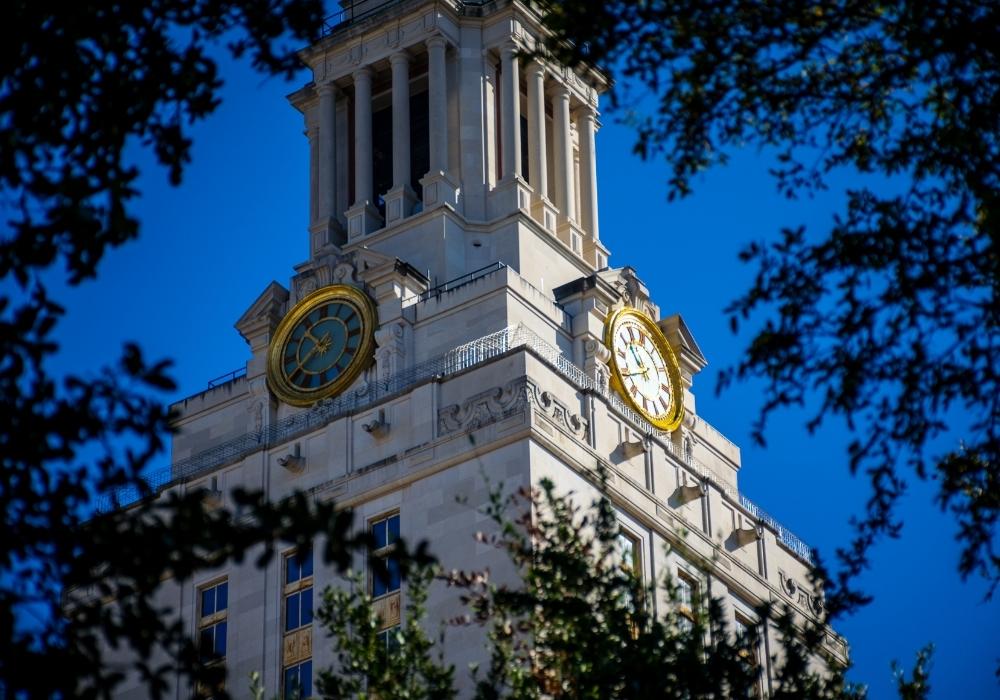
(305, 286)
(628, 289)
(344, 273)
(544, 402)
(596, 362)
(390, 358)
(327, 268)
(498, 403)
(256, 410)
(484, 408)
(261, 406)
(798, 593)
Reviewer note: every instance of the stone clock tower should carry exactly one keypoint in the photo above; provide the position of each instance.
(457, 321)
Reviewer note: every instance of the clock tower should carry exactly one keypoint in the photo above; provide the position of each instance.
(457, 322)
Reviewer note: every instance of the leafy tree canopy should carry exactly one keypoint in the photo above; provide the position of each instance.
(80, 83)
(889, 317)
(577, 622)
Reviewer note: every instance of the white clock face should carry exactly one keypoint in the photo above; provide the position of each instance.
(644, 368)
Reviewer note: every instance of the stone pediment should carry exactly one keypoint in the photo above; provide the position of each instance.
(682, 341)
(264, 314)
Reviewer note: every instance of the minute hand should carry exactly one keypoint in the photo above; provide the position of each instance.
(636, 356)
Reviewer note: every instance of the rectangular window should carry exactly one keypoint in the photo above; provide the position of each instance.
(212, 615)
(297, 645)
(628, 552)
(687, 600)
(748, 643)
(298, 590)
(298, 681)
(385, 577)
(387, 639)
(630, 561)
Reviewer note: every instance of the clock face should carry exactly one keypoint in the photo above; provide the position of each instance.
(322, 345)
(644, 369)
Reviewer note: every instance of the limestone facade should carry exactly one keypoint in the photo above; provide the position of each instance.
(492, 288)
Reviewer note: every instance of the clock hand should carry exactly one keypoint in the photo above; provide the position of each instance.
(317, 343)
(635, 355)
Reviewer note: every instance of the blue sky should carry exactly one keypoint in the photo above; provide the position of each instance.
(208, 248)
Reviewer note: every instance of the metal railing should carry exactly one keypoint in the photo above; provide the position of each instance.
(461, 358)
(467, 278)
(785, 536)
(347, 16)
(228, 377)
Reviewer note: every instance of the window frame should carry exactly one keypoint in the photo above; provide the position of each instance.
(296, 589)
(749, 645)
(297, 666)
(213, 620)
(384, 553)
(688, 608)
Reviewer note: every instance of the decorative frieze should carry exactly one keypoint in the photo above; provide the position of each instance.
(484, 408)
(515, 397)
(799, 594)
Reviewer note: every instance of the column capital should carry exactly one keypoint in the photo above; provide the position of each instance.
(328, 88)
(534, 68)
(436, 41)
(363, 73)
(400, 57)
(559, 90)
(508, 49)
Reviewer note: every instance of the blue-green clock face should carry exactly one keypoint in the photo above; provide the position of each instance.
(322, 345)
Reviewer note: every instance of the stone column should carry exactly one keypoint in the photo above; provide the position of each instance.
(511, 193)
(563, 153)
(588, 172)
(510, 113)
(399, 200)
(593, 251)
(438, 186)
(537, 168)
(568, 229)
(362, 217)
(541, 207)
(326, 229)
(437, 100)
(363, 136)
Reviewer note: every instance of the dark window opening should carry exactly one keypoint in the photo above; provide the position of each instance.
(524, 150)
(420, 147)
(381, 156)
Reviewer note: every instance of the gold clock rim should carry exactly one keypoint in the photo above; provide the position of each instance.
(673, 368)
(276, 379)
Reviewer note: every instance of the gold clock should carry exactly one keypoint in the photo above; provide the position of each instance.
(644, 369)
(321, 345)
